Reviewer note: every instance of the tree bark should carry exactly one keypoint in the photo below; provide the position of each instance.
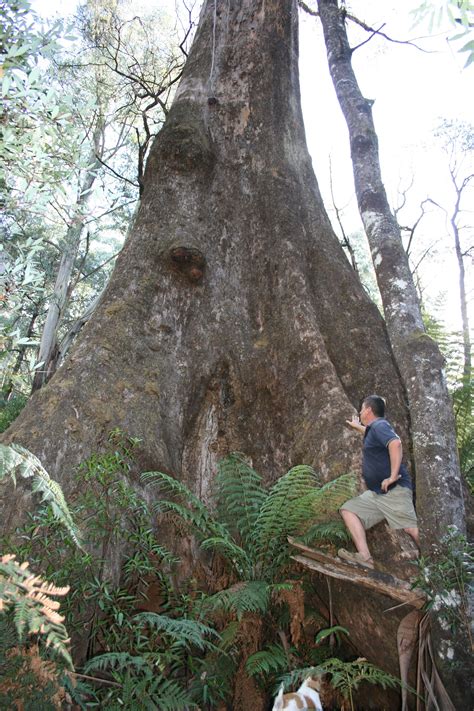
(466, 333)
(232, 320)
(438, 479)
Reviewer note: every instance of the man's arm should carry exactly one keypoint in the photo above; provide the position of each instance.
(395, 452)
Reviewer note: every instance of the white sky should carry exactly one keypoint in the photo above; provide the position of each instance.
(412, 92)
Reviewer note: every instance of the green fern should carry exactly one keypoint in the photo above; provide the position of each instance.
(27, 598)
(189, 633)
(239, 497)
(287, 506)
(329, 498)
(192, 511)
(142, 685)
(228, 549)
(116, 661)
(16, 460)
(345, 677)
(271, 660)
(329, 532)
(242, 598)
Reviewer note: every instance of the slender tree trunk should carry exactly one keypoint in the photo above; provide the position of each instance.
(48, 355)
(466, 335)
(438, 480)
(21, 354)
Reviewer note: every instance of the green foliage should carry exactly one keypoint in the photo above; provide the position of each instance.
(10, 409)
(457, 13)
(462, 392)
(15, 460)
(248, 529)
(26, 599)
(345, 677)
(336, 630)
(160, 652)
(141, 683)
(332, 532)
(448, 580)
(273, 659)
(251, 525)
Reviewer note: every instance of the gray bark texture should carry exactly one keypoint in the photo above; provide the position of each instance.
(232, 320)
(439, 490)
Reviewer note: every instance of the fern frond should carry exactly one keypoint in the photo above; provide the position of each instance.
(186, 632)
(117, 661)
(345, 676)
(232, 552)
(228, 636)
(288, 505)
(192, 510)
(329, 498)
(328, 532)
(28, 598)
(16, 460)
(271, 660)
(239, 496)
(253, 596)
(168, 695)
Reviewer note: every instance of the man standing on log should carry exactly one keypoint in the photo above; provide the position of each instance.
(389, 493)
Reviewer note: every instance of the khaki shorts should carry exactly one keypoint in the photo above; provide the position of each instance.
(395, 507)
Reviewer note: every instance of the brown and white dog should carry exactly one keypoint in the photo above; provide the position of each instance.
(306, 697)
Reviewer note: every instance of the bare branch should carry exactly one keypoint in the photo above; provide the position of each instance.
(373, 32)
(307, 9)
(117, 175)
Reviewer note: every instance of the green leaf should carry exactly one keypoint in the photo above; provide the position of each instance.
(324, 634)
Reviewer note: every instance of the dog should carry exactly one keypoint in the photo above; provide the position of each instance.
(307, 697)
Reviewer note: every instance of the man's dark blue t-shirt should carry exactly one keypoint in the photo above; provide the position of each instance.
(376, 459)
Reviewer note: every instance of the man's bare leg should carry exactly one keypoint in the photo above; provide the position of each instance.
(357, 531)
(414, 533)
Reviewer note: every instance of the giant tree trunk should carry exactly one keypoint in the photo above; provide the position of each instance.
(232, 319)
(439, 485)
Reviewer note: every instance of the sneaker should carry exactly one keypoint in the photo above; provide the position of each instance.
(355, 558)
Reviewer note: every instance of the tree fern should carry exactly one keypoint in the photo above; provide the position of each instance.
(327, 500)
(228, 549)
(192, 511)
(16, 460)
(115, 660)
(287, 506)
(239, 496)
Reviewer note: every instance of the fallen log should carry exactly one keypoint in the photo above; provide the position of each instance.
(375, 580)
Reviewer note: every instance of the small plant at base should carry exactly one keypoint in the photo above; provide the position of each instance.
(345, 677)
(34, 612)
(447, 580)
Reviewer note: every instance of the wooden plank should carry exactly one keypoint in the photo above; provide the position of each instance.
(375, 580)
(415, 598)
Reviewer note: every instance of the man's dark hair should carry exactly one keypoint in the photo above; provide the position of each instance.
(376, 404)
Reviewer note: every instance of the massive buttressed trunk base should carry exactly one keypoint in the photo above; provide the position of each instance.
(232, 320)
